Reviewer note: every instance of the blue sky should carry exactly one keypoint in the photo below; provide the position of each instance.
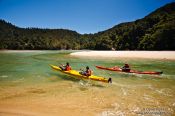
(83, 16)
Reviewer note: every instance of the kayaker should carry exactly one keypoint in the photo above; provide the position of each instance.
(66, 67)
(88, 72)
(126, 68)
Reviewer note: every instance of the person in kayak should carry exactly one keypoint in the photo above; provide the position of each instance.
(66, 67)
(126, 68)
(88, 72)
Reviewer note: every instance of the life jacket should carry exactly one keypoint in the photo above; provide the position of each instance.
(126, 66)
(88, 72)
(68, 68)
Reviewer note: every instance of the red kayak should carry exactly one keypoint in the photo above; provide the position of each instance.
(118, 69)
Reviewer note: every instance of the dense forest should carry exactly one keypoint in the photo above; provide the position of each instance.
(154, 32)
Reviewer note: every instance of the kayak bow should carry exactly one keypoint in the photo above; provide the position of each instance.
(76, 74)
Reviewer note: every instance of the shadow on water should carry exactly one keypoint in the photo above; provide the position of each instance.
(91, 83)
(65, 77)
(98, 85)
(83, 83)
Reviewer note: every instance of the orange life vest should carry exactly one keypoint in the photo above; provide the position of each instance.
(68, 68)
(88, 72)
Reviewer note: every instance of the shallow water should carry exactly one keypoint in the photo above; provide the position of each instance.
(28, 86)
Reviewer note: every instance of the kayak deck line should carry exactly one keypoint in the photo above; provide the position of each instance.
(80, 76)
(118, 69)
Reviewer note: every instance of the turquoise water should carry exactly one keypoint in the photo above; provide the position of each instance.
(128, 94)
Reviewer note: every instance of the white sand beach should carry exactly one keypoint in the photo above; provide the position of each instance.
(127, 54)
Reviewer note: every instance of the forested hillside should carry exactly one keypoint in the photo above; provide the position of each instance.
(154, 32)
(13, 37)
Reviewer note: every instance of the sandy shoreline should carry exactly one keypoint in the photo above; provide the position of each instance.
(170, 55)
(127, 54)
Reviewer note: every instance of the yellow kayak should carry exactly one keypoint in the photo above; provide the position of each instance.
(78, 75)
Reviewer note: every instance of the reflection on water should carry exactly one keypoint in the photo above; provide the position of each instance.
(28, 86)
